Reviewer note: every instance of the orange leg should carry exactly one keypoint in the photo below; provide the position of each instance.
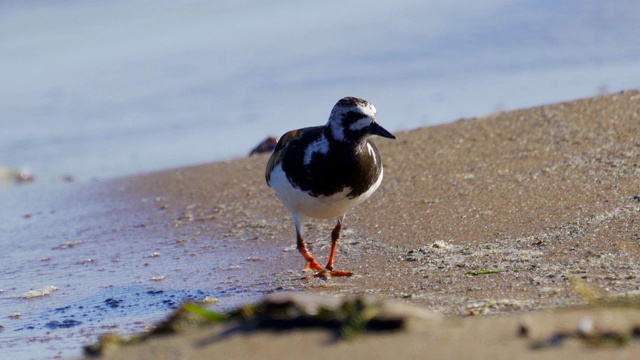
(311, 264)
(335, 236)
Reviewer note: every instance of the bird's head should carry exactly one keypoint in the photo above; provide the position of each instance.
(353, 119)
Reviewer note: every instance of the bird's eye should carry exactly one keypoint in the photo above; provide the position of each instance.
(353, 116)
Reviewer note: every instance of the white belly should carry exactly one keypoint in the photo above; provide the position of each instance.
(322, 207)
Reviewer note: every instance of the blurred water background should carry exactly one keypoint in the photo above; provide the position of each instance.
(97, 89)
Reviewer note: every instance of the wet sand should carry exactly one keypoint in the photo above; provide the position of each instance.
(537, 202)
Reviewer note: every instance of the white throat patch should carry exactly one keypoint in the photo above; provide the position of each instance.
(372, 153)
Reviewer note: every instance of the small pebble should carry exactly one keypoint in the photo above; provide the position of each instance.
(585, 327)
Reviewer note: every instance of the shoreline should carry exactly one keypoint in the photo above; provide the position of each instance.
(499, 215)
(539, 201)
(496, 192)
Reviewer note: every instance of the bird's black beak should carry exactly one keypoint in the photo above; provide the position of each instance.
(376, 129)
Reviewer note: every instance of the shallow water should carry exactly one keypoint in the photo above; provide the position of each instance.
(115, 264)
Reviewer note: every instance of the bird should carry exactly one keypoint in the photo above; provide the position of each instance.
(324, 171)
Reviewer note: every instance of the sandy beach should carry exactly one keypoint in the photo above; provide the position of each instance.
(501, 217)
(518, 223)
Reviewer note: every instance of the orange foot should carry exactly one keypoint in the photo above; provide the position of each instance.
(325, 273)
(312, 264)
(319, 270)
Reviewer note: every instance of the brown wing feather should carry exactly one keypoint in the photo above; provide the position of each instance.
(278, 152)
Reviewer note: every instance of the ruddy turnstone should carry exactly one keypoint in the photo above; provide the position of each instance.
(324, 171)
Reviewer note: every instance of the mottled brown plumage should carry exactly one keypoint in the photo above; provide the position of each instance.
(323, 171)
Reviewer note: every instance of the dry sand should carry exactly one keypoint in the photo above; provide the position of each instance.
(545, 198)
